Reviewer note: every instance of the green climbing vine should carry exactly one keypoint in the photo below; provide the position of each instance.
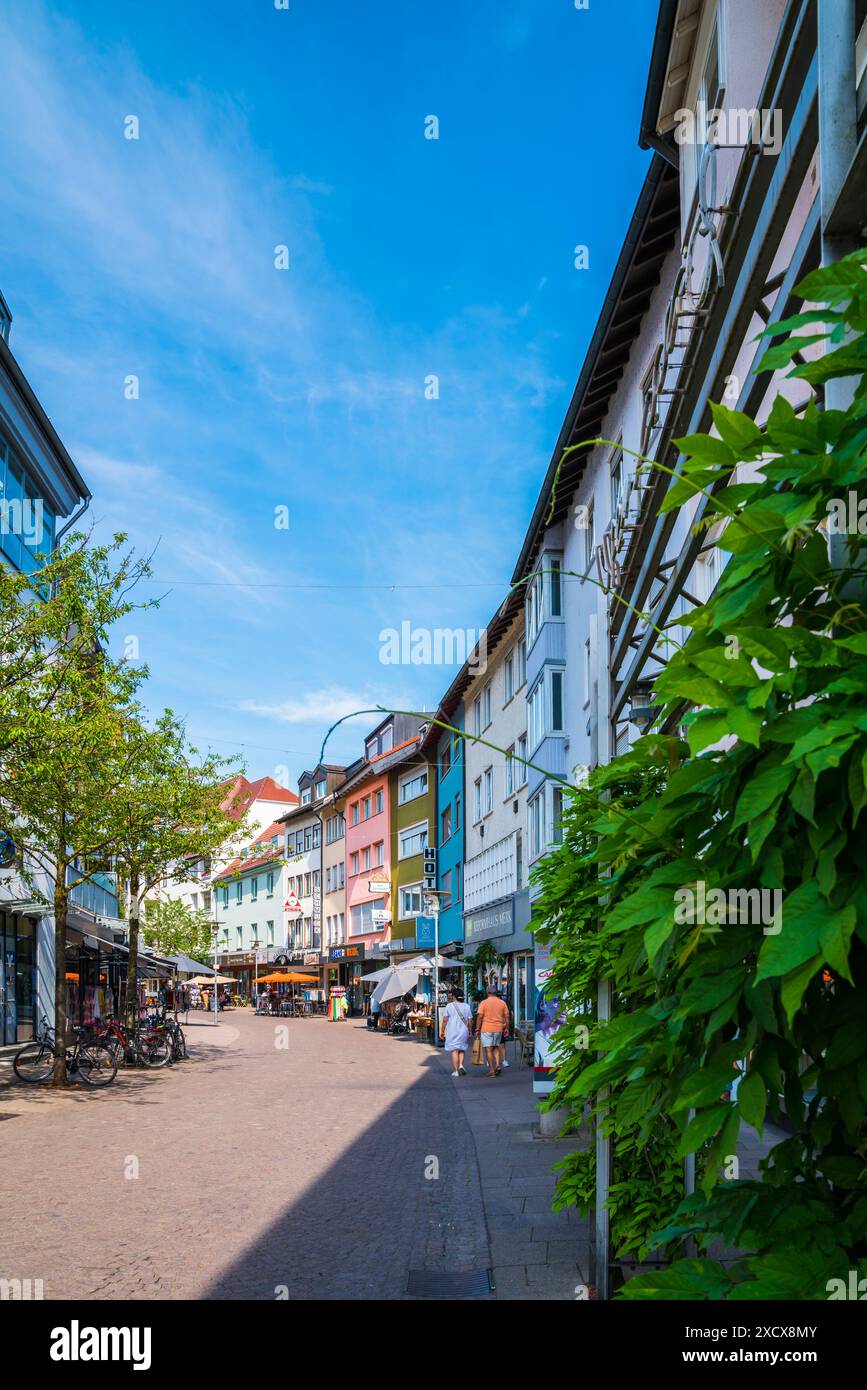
(717, 880)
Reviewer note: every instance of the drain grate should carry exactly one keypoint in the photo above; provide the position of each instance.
(434, 1283)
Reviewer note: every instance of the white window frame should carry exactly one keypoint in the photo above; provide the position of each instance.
(521, 767)
(407, 780)
(536, 714)
(508, 677)
(509, 773)
(589, 540)
(405, 915)
(536, 827)
(417, 831)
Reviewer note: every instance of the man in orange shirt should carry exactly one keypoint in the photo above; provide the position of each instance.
(492, 1019)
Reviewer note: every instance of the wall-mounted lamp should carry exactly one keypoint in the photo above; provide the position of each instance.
(642, 710)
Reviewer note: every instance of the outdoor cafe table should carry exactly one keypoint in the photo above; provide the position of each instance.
(420, 1021)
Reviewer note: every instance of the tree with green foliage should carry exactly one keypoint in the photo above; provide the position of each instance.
(58, 791)
(52, 616)
(764, 794)
(166, 807)
(173, 928)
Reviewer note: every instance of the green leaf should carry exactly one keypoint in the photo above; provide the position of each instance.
(761, 793)
(706, 449)
(796, 983)
(835, 938)
(753, 1100)
(686, 1279)
(636, 1099)
(703, 1126)
(735, 428)
(803, 915)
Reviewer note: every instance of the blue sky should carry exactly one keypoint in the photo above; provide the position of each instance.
(305, 388)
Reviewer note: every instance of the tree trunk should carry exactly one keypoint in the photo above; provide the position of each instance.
(61, 905)
(132, 962)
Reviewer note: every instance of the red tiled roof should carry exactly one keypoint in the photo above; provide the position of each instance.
(242, 794)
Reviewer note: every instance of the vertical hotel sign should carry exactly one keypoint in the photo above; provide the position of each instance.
(547, 1020)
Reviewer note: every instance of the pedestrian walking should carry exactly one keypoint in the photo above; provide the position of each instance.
(455, 1029)
(503, 1059)
(375, 1010)
(492, 1018)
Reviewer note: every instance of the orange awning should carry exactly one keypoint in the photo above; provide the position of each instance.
(288, 977)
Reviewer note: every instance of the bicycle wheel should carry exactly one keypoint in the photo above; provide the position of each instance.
(154, 1052)
(34, 1063)
(180, 1045)
(97, 1065)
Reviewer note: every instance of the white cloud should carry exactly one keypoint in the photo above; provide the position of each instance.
(317, 707)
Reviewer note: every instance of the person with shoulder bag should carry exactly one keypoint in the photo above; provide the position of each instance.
(455, 1030)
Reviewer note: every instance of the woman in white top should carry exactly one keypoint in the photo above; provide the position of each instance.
(455, 1029)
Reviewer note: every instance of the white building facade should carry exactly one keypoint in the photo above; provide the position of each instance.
(496, 905)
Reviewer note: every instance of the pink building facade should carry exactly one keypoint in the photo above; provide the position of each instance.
(368, 861)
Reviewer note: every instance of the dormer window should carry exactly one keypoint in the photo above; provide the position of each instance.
(321, 789)
(306, 796)
(379, 743)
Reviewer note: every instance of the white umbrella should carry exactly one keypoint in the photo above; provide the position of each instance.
(400, 981)
(378, 974)
(428, 962)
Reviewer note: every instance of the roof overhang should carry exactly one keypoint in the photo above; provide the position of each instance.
(674, 38)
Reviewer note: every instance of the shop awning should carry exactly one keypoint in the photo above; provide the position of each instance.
(186, 966)
(146, 965)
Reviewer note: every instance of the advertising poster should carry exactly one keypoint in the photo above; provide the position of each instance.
(547, 1021)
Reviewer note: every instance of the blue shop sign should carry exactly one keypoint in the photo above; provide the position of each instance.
(424, 933)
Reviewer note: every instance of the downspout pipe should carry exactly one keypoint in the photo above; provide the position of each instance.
(76, 516)
(669, 152)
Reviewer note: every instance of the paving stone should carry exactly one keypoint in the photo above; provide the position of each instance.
(516, 1250)
(258, 1168)
(557, 1280)
(511, 1281)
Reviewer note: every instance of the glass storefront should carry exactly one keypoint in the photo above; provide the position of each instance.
(525, 990)
(17, 977)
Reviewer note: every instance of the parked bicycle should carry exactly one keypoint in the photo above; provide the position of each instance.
(173, 1031)
(87, 1058)
(147, 1045)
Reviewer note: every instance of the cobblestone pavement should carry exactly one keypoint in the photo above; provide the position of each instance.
(537, 1254)
(252, 1171)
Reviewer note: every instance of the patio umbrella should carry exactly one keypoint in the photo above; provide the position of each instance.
(399, 981)
(213, 980)
(428, 962)
(377, 975)
(288, 977)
